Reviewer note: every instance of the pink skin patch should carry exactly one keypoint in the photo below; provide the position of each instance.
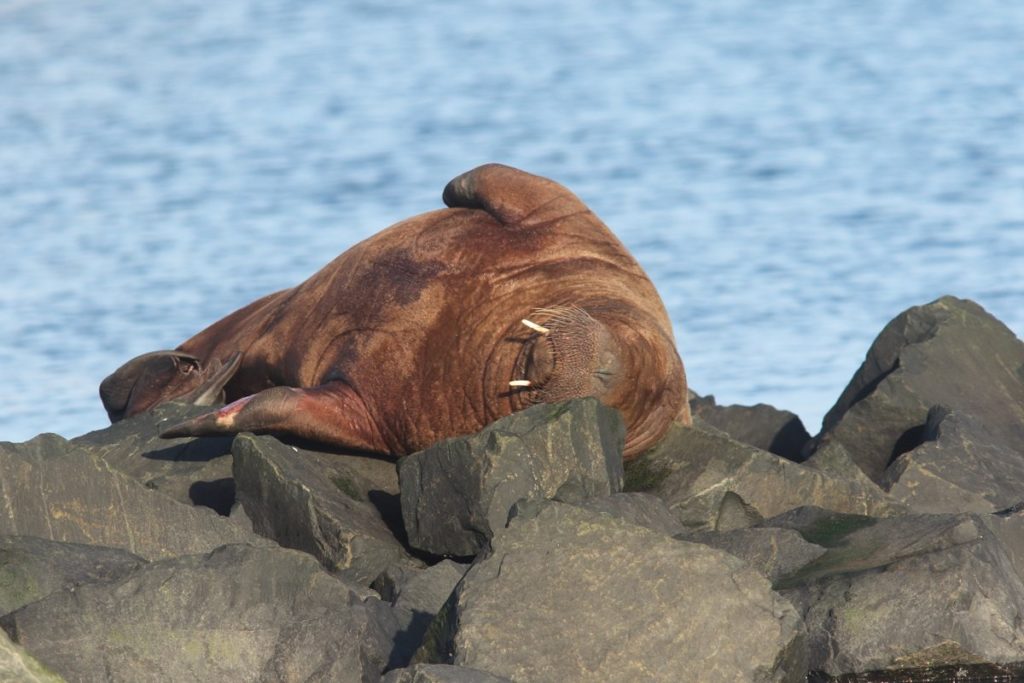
(226, 415)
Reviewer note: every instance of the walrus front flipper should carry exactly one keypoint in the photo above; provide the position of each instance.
(331, 414)
(512, 196)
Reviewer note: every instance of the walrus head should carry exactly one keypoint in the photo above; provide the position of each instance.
(574, 352)
(571, 355)
(153, 378)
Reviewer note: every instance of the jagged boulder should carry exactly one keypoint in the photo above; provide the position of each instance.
(458, 493)
(566, 594)
(319, 503)
(775, 553)
(55, 490)
(239, 613)
(642, 509)
(913, 591)
(952, 360)
(763, 426)
(711, 480)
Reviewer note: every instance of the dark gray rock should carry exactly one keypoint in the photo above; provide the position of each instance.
(18, 665)
(763, 426)
(311, 502)
(427, 590)
(31, 568)
(458, 493)
(416, 596)
(189, 470)
(441, 673)
(238, 613)
(957, 604)
(773, 552)
(54, 490)
(958, 468)
(949, 353)
(855, 543)
(713, 482)
(572, 595)
(642, 509)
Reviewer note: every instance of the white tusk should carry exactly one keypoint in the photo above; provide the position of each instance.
(535, 327)
(520, 383)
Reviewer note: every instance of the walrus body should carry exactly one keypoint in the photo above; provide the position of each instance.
(415, 334)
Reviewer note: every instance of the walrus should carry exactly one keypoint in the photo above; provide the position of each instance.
(515, 294)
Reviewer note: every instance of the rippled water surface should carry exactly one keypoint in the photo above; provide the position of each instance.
(792, 175)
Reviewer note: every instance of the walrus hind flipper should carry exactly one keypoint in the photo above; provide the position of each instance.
(331, 414)
(512, 196)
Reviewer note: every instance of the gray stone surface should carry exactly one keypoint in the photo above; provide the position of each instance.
(571, 595)
(189, 470)
(427, 590)
(763, 426)
(958, 604)
(958, 468)
(458, 493)
(31, 568)
(55, 490)
(774, 553)
(16, 665)
(949, 353)
(441, 673)
(855, 543)
(240, 613)
(642, 509)
(694, 469)
(310, 501)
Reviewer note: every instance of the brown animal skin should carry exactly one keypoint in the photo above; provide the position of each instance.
(414, 334)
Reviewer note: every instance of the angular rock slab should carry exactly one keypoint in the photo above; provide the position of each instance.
(240, 613)
(458, 493)
(700, 471)
(189, 470)
(855, 543)
(441, 673)
(31, 568)
(950, 352)
(775, 553)
(762, 426)
(570, 595)
(959, 604)
(307, 501)
(18, 665)
(957, 468)
(54, 490)
(642, 509)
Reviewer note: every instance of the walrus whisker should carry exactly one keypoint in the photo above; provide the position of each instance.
(535, 327)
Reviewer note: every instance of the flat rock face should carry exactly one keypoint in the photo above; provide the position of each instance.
(571, 595)
(191, 471)
(31, 568)
(55, 490)
(458, 493)
(240, 613)
(703, 474)
(952, 354)
(317, 503)
(775, 553)
(642, 509)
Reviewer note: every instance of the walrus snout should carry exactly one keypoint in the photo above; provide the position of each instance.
(571, 355)
(160, 376)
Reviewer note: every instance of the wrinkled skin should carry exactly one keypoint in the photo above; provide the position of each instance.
(414, 334)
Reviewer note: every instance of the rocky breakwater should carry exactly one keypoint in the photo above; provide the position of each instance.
(740, 549)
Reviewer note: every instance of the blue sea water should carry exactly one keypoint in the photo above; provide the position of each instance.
(792, 175)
